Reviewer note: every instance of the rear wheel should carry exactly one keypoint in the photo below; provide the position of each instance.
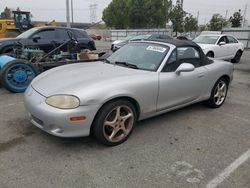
(218, 94)
(114, 122)
(237, 57)
(17, 75)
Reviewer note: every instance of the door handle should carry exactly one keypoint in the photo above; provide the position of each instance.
(201, 75)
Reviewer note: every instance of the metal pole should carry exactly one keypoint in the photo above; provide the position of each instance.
(198, 16)
(67, 13)
(244, 16)
(72, 12)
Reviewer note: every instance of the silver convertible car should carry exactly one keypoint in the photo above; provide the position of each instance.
(142, 79)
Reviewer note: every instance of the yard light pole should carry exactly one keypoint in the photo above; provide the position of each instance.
(67, 13)
(72, 12)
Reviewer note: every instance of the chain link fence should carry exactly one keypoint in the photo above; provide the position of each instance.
(242, 34)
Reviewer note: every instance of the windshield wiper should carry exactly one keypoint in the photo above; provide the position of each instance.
(107, 61)
(133, 66)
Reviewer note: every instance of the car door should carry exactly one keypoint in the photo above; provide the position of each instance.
(61, 37)
(44, 39)
(233, 46)
(186, 87)
(221, 51)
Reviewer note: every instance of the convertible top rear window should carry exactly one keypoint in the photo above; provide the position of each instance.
(145, 56)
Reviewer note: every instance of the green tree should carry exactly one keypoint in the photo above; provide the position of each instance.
(157, 13)
(116, 14)
(122, 14)
(236, 19)
(177, 17)
(217, 22)
(190, 23)
(136, 15)
(202, 28)
(6, 14)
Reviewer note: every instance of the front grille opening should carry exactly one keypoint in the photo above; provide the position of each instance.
(37, 120)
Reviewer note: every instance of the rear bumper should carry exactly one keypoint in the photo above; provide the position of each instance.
(57, 121)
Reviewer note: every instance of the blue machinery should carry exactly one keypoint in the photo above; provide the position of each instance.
(15, 74)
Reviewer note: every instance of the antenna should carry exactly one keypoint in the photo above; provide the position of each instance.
(93, 11)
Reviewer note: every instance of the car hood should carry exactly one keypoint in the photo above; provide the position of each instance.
(81, 77)
(117, 41)
(205, 46)
(9, 40)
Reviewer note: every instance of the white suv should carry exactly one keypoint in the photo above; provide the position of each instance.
(223, 47)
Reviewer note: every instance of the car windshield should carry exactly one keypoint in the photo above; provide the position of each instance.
(206, 39)
(145, 56)
(27, 34)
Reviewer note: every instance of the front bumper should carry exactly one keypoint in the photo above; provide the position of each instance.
(57, 121)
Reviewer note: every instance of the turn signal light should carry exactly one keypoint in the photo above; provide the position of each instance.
(79, 118)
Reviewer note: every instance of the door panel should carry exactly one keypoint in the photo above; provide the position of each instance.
(221, 51)
(45, 41)
(233, 46)
(175, 90)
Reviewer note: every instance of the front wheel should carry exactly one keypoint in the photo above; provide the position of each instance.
(114, 122)
(17, 75)
(218, 94)
(237, 57)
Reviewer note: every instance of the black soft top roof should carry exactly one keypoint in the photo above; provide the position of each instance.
(184, 43)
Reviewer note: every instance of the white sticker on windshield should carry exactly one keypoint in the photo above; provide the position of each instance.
(156, 49)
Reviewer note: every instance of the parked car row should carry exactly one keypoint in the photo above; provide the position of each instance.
(224, 47)
(120, 43)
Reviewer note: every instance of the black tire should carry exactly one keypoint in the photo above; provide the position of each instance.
(99, 130)
(22, 81)
(237, 57)
(210, 54)
(212, 102)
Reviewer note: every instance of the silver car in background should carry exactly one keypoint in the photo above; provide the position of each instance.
(141, 80)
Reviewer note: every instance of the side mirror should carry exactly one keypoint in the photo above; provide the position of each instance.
(185, 67)
(222, 43)
(35, 38)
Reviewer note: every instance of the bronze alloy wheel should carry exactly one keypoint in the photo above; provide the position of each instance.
(118, 123)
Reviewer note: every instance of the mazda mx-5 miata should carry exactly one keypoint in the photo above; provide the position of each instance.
(141, 80)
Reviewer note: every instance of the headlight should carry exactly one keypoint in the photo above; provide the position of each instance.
(1, 44)
(63, 101)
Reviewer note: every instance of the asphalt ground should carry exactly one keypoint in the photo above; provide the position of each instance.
(192, 147)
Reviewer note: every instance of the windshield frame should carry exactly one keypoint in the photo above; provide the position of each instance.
(27, 34)
(144, 42)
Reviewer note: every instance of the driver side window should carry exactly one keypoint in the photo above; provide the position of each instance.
(182, 55)
(223, 39)
(47, 34)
